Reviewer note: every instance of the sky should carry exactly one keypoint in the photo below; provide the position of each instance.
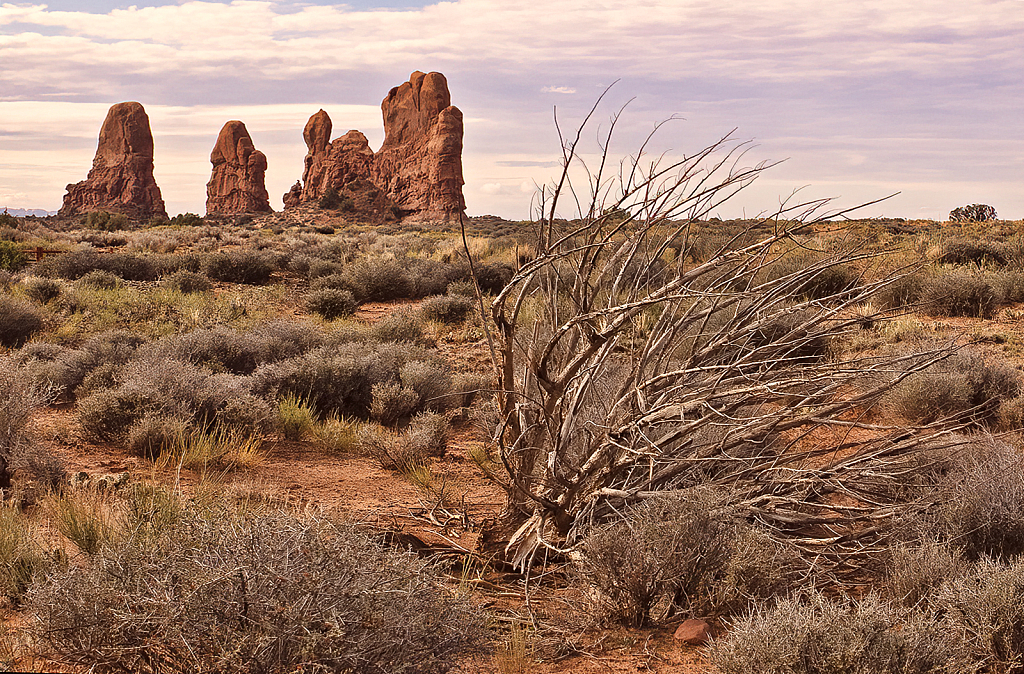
(857, 99)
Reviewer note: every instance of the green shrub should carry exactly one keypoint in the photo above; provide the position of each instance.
(11, 256)
(187, 282)
(245, 266)
(226, 592)
(972, 213)
(42, 290)
(186, 220)
(99, 279)
(330, 304)
(295, 417)
(21, 557)
(447, 309)
(332, 200)
(106, 222)
(19, 320)
(818, 635)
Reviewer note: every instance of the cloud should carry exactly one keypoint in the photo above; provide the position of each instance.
(926, 74)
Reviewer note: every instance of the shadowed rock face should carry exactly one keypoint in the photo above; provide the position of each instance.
(419, 165)
(121, 179)
(237, 182)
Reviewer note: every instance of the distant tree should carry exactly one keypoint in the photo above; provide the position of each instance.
(972, 213)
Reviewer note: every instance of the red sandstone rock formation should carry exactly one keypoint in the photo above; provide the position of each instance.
(419, 165)
(336, 164)
(293, 197)
(236, 185)
(121, 179)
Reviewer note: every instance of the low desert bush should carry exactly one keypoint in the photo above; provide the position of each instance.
(974, 252)
(985, 610)
(102, 354)
(42, 290)
(246, 266)
(223, 447)
(225, 592)
(904, 292)
(959, 293)
(337, 379)
(980, 504)
(83, 516)
(320, 268)
(19, 320)
(172, 388)
(816, 634)
(377, 280)
(328, 281)
(392, 402)
(187, 282)
(447, 309)
(401, 452)
(332, 200)
(966, 385)
(99, 279)
(152, 435)
(76, 264)
(432, 382)
(401, 325)
(666, 555)
(222, 349)
(11, 256)
(914, 573)
(494, 277)
(330, 304)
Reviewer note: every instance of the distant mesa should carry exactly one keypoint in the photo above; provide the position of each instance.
(237, 182)
(418, 167)
(121, 179)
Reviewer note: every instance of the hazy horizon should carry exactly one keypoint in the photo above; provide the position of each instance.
(862, 99)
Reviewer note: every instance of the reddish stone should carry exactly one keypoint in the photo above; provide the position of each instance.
(293, 197)
(237, 182)
(419, 165)
(121, 179)
(693, 632)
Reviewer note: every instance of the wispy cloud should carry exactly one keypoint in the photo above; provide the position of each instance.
(558, 90)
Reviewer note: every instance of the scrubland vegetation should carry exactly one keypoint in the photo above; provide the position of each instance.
(802, 429)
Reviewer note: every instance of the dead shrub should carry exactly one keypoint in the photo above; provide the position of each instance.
(225, 592)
